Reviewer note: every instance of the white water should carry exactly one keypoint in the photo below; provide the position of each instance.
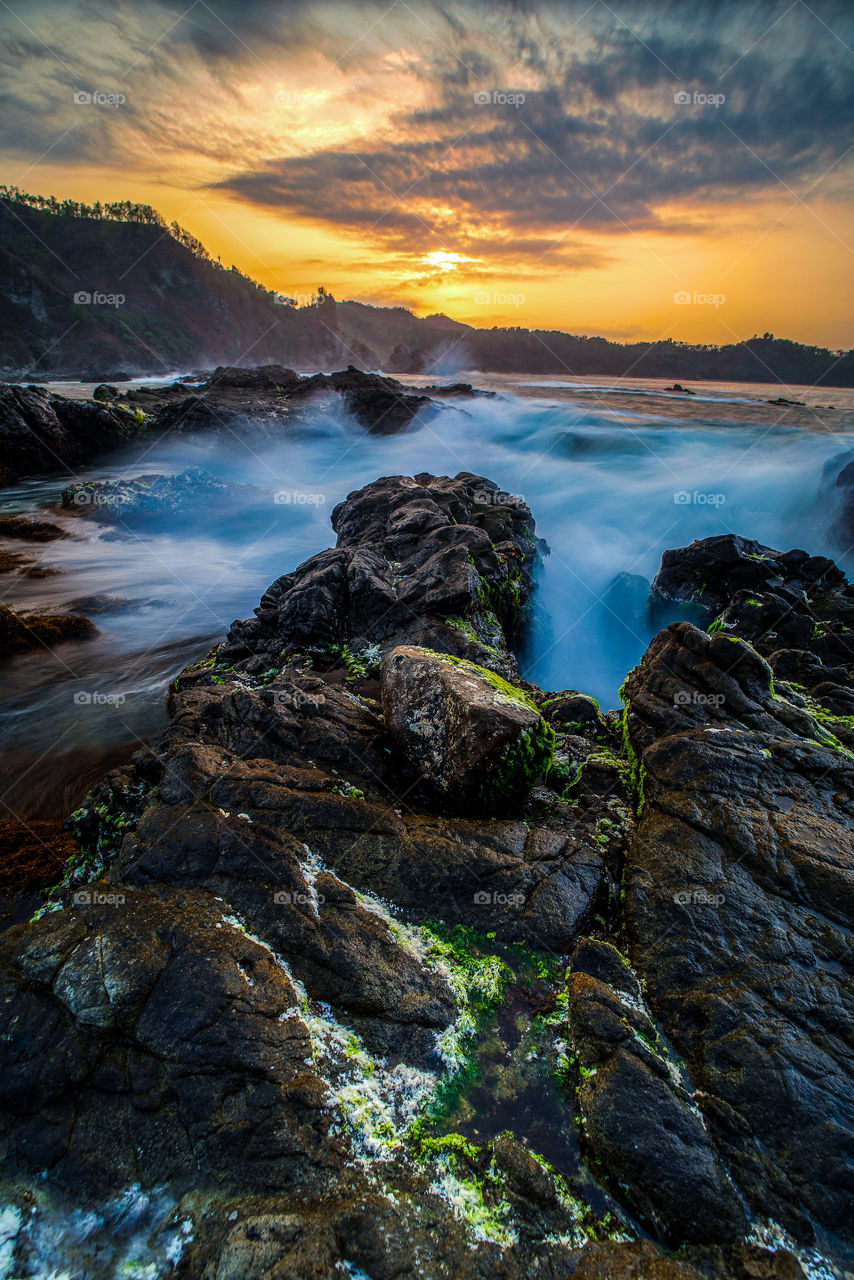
(602, 483)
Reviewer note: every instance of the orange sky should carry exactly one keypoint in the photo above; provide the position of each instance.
(377, 172)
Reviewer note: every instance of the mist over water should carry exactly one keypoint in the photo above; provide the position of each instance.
(610, 489)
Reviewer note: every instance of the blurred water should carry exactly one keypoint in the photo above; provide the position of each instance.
(610, 488)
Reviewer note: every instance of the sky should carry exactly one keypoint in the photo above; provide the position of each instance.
(635, 170)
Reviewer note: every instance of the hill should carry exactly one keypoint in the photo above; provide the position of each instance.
(97, 291)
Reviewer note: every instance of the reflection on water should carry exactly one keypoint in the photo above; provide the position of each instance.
(610, 490)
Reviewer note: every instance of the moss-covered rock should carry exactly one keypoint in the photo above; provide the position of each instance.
(469, 732)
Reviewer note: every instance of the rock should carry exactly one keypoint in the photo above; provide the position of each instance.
(639, 1116)
(30, 530)
(22, 631)
(169, 1044)
(744, 845)
(105, 392)
(447, 564)
(467, 731)
(44, 432)
(193, 493)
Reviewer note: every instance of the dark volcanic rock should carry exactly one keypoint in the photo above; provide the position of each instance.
(272, 396)
(442, 563)
(166, 1043)
(640, 1118)
(44, 432)
(740, 898)
(472, 735)
(267, 986)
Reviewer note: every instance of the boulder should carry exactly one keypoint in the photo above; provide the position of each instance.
(467, 731)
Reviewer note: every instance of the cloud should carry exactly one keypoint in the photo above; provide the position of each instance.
(504, 133)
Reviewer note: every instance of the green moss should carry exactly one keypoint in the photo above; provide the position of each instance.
(509, 784)
(715, 626)
(637, 769)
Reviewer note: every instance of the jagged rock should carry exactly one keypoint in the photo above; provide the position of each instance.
(740, 897)
(40, 431)
(22, 631)
(145, 1038)
(105, 392)
(467, 731)
(192, 494)
(640, 1119)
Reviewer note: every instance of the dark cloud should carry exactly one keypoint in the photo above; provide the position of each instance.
(598, 144)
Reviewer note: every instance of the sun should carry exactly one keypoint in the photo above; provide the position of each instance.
(443, 260)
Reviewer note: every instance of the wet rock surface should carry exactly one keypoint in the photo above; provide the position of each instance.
(40, 431)
(740, 883)
(22, 631)
(193, 494)
(229, 399)
(291, 947)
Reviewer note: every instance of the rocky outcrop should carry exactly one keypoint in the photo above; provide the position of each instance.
(295, 931)
(638, 1113)
(158, 499)
(44, 432)
(272, 396)
(740, 883)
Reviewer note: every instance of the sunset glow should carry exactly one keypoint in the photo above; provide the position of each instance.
(576, 161)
